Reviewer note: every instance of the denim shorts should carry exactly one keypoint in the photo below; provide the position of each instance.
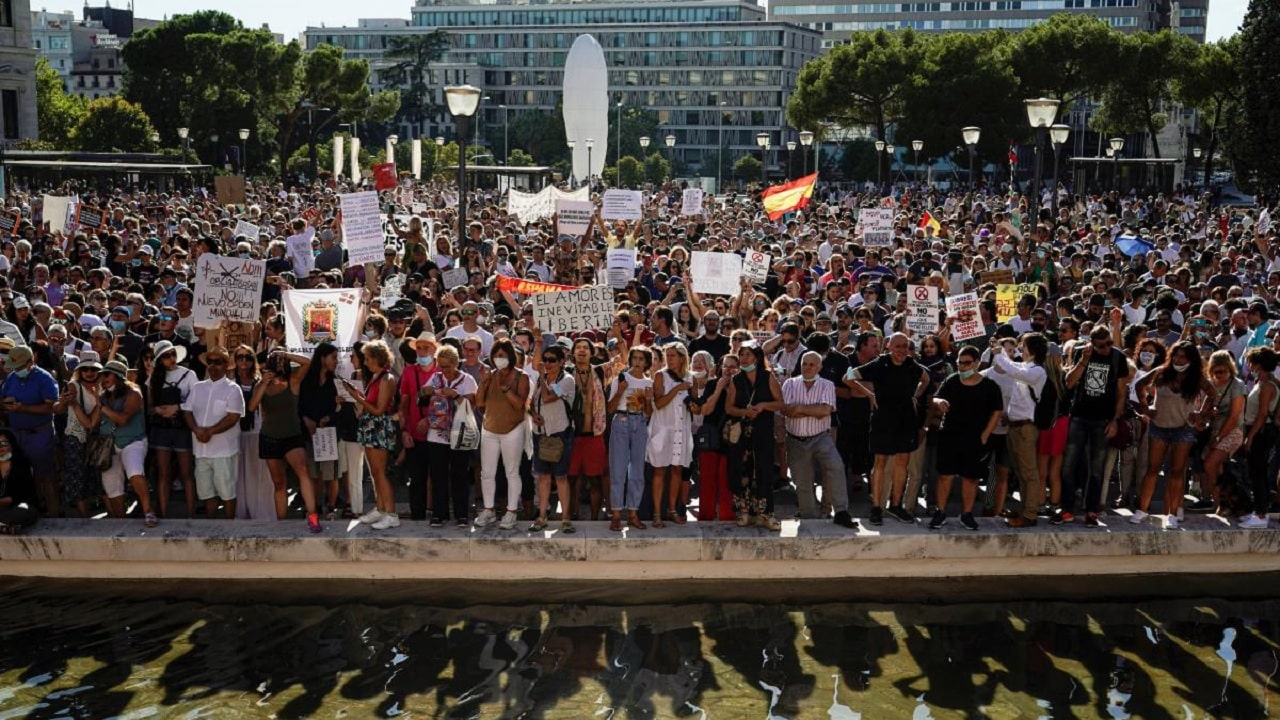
(1173, 436)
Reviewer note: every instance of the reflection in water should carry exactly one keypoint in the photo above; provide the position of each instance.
(136, 659)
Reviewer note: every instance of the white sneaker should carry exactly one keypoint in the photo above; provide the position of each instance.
(389, 520)
(485, 518)
(1253, 522)
(1172, 523)
(1137, 517)
(371, 517)
(508, 521)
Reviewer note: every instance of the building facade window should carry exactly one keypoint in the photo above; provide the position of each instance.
(9, 113)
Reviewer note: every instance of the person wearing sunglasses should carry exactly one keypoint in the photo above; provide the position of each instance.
(470, 327)
(553, 398)
(212, 412)
(79, 482)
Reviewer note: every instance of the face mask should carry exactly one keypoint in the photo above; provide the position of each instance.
(1146, 358)
(426, 361)
(1181, 367)
(501, 363)
(118, 325)
(1037, 328)
(22, 374)
(966, 374)
(6, 457)
(1040, 254)
(699, 374)
(369, 334)
(749, 368)
(135, 262)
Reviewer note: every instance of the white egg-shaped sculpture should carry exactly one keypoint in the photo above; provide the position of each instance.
(586, 105)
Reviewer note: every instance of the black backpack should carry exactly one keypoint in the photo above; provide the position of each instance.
(1046, 413)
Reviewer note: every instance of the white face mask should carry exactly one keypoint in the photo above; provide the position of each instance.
(1181, 367)
(501, 363)
(1146, 357)
(699, 374)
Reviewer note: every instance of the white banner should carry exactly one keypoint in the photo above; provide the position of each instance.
(453, 277)
(338, 154)
(574, 216)
(531, 208)
(227, 288)
(362, 228)
(755, 267)
(621, 205)
(716, 273)
(875, 226)
(55, 212)
(250, 231)
(621, 264)
(967, 320)
(922, 309)
(315, 316)
(691, 202)
(570, 311)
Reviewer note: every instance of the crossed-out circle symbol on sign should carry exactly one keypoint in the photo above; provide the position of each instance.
(757, 257)
(922, 293)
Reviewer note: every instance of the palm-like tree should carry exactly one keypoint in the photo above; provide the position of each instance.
(413, 55)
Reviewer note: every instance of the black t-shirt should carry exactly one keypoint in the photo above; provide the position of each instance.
(834, 366)
(895, 388)
(971, 408)
(718, 346)
(1094, 396)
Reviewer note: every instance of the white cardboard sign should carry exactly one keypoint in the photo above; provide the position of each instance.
(227, 288)
(755, 267)
(621, 205)
(362, 228)
(570, 311)
(716, 273)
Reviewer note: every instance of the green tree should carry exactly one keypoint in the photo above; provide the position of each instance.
(411, 57)
(859, 84)
(1212, 84)
(540, 134)
(1142, 84)
(637, 122)
(747, 169)
(58, 112)
(858, 160)
(519, 158)
(114, 125)
(656, 168)
(631, 172)
(1254, 153)
(1069, 57)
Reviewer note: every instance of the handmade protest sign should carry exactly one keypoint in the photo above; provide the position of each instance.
(967, 321)
(691, 202)
(55, 212)
(324, 444)
(362, 228)
(571, 311)
(621, 205)
(227, 288)
(88, 216)
(574, 216)
(716, 273)
(998, 277)
(9, 221)
(875, 225)
(453, 277)
(922, 309)
(384, 176)
(1007, 299)
(250, 231)
(229, 189)
(755, 267)
(621, 264)
(315, 316)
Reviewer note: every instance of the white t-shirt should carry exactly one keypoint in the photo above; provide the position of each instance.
(461, 333)
(209, 402)
(635, 386)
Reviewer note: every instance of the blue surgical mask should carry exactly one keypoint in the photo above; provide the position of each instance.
(135, 262)
(749, 368)
(118, 325)
(425, 361)
(23, 373)
(966, 374)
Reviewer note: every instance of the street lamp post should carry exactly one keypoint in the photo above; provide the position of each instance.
(1196, 153)
(670, 140)
(392, 141)
(791, 148)
(889, 150)
(463, 101)
(880, 144)
(762, 140)
(720, 150)
(506, 136)
(617, 152)
(590, 145)
(916, 147)
(184, 134)
(971, 135)
(1117, 145)
(1058, 136)
(806, 139)
(217, 156)
(572, 144)
(1041, 113)
(244, 157)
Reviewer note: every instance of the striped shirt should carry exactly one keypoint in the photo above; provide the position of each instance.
(795, 391)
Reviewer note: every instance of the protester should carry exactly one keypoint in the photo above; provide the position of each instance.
(212, 411)
(502, 397)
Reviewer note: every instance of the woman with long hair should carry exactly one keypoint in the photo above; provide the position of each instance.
(670, 447)
(80, 401)
(754, 397)
(253, 486)
(1179, 391)
(121, 414)
(630, 404)
(350, 451)
(281, 442)
(1226, 434)
(168, 436)
(318, 405)
(1260, 431)
(715, 502)
(412, 406)
(1052, 443)
(1149, 355)
(378, 430)
(502, 396)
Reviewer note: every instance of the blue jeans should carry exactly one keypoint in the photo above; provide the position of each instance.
(1084, 436)
(627, 440)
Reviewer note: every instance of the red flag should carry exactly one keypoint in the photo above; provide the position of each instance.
(384, 176)
(1013, 154)
(782, 199)
(529, 287)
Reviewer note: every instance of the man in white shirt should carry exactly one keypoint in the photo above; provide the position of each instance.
(1023, 433)
(470, 327)
(212, 412)
(808, 401)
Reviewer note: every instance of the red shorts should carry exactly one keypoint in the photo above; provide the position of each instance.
(588, 456)
(1053, 442)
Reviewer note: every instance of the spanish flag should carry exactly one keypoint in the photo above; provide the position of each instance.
(782, 199)
(928, 221)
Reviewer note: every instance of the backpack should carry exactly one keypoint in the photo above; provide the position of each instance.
(1046, 413)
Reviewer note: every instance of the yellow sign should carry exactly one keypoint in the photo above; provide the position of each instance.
(1007, 297)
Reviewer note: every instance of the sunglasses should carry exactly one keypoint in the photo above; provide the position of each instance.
(550, 360)
(467, 313)
(244, 358)
(216, 361)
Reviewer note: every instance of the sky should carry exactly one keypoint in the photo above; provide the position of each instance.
(286, 18)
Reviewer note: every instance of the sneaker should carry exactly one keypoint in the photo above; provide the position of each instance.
(1091, 520)
(389, 520)
(313, 523)
(1181, 516)
(371, 517)
(1253, 522)
(1202, 505)
(1046, 511)
(1059, 516)
(968, 522)
(939, 519)
(437, 521)
(151, 520)
(1138, 517)
(845, 520)
(877, 516)
(901, 514)
(1172, 523)
(485, 518)
(462, 522)
(508, 521)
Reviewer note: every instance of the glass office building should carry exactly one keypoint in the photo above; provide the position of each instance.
(687, 60)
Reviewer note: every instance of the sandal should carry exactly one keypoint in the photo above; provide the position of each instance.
(615, 524)
(635, 522)
(567, 528)
(151, 520)
(7, 529)
(676, 518)
(658, 524)
(539, 524)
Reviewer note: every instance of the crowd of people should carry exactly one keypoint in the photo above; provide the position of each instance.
(1140, 353)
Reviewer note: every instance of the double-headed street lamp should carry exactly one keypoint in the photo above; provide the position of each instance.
(1058, 136)
(1041, 113)
(1117, 144)
(463, 101)
(971, 135)
(762, 140)
(806, 139)
(916, 147)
